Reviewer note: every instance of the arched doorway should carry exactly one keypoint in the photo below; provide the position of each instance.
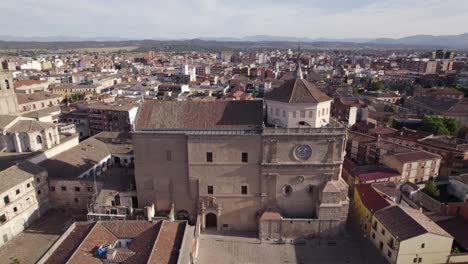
(182, 215)
(211, 220)
(117, 161)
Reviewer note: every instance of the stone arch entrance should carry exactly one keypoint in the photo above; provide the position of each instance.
(182, 215)
(211, 220)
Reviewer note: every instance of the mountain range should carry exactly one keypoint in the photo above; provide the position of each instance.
(442, 41)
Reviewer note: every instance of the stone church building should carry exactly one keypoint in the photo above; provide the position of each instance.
(271, 166)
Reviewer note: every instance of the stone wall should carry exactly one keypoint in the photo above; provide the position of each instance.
(300, 228)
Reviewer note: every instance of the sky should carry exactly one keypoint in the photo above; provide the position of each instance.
(183, 19)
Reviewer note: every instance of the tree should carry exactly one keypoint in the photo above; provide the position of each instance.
(434, 125)
(376, 85)
(451, 124)
(430, 188)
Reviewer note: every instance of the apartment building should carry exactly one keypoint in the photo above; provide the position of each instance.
(416, 166)
(404, 235)
(23, 198)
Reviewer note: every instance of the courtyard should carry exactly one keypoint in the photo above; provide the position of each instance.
(30, 245)
(243, 248)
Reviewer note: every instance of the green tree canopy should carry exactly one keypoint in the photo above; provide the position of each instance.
(376, 85)
(435, 125)
(431, 189)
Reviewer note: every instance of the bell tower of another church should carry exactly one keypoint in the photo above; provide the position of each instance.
(8, 100)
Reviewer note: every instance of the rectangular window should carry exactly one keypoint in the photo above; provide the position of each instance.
(244, 189)
(52, 188)
(210, 189)
(277, 111)
(15, 209)
(6, 199)
(383, 231)
(2, 218)
(77, 189)
(209, 157)
(76, 200)
(168, 155)
(17, 191)
(294, 114)
(245, 157)
(389, 254)
(415, 260)
(64, 188)
(381, 245)
(38, 180)
(311, 114)
(284, 113)
(423, 245)
(28, 185)
(302, 114)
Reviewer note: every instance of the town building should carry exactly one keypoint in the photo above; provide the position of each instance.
(117, 116)
(366, 202)
(415, 167)
(24, 198)
(161, 241)
(405, 235)
(216, 159)
(21, 134)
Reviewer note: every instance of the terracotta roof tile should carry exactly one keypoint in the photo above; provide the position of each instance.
(200, 115)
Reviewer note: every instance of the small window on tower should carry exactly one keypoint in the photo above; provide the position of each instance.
(7, 84)
(244, 189)
(245, 157)
(209, 157)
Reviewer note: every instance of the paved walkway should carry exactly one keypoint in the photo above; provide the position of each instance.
(234, 248)
(29, 246)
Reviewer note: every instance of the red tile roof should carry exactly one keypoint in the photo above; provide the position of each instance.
(151, 242)
(370, 198)
(27, 83)
(416, 156)
(365, 174)
(406, 223)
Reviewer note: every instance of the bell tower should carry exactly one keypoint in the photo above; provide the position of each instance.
(8, 100)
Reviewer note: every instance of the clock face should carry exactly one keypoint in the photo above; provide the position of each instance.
(303, 152)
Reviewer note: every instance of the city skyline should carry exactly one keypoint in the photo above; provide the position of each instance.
(210, 18)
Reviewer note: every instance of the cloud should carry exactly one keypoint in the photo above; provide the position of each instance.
(227, 18)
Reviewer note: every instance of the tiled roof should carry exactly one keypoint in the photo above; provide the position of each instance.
(151, 242)
(416, 156)
(200, 115)
(370, 198)
(409, 134)
(297, 91)
(365, 173)
(406, 223)
(27, 83)
(71, 242)
(36, 97)
(167, 246)
(17, 174)
(29, 126)
(5, 120)
(75, 161)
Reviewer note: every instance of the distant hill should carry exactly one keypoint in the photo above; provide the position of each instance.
(448, 41)
(269, 38)
(423, 41)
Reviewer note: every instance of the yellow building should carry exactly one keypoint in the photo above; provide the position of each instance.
(404, 235)
(366, 202)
